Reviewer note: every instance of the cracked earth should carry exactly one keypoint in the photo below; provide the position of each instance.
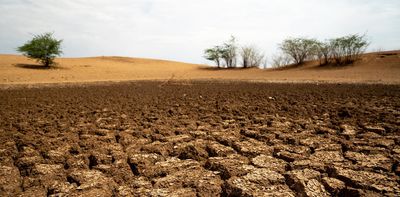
(200, 139)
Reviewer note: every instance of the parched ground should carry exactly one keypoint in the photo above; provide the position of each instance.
(200, 139)
(383, 68)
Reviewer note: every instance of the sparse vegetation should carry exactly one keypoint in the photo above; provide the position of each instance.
(324, 52)
(226, 53)
(43, 48)
(214, 54)
(280, 60)
(299, 49)
(251, 56)
(348, 49)
(340, 51)
(229, 52)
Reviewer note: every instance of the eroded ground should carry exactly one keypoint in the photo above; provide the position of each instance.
(200, 139)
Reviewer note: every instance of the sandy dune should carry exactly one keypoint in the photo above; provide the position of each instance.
(381, 67)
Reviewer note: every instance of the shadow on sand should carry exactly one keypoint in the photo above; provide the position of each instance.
(332, 66)
(37, 66)
(285, 67)
(223, 68)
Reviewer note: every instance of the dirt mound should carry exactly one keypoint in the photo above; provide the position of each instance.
(200, 139)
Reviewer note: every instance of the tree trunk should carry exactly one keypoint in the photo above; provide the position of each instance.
(244, 63)
(47, 62)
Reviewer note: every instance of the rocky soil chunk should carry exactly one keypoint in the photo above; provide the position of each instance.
(177, 139)
(374, 161)
(334, 186)
(233, 165)
(291, 153)
(184, 192)
(89, 181)
(376, 129)
(367, 180)
(315, 142)
(10, 181)
(270, 163)
(216, 149)
(141, 163)
(170, 166)
(320, 160)
(205, 183)
(162, 148)
(195, 150)
(348, 130)
(259, 182)
(306, 182)
(252, 148)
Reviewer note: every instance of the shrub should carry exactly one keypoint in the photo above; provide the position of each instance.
(226, 52)
(348, 49)
(342, 50)
(280, 60)
(214, 54)
(299, 49)
(251, 56)
(324, 52)
(229, 50)
(43, 48)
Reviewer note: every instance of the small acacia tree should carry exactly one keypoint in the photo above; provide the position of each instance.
(348, 49)
(225, 53)
(229, 52)
(43, 48)
(214, 54)
(299, 49)
(324, 52)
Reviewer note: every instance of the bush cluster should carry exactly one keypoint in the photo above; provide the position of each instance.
(226, 55)
(339, 51)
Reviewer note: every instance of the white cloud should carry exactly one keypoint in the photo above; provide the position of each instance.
(181, 29)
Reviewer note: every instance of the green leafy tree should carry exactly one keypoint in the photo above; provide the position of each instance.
(299, 49)
(229, 52)
(324, 52)
(214, 54)
(43, 48)
(348, 49)
(226, 53)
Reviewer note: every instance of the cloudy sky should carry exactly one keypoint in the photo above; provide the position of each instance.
(182, 29)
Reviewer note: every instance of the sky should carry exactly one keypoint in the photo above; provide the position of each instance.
(180, 30)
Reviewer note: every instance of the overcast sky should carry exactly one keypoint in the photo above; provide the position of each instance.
(182, 29)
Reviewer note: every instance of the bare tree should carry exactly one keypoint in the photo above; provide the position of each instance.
(251, 56)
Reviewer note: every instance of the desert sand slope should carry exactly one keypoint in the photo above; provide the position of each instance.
(383, 67)
(18, 69)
